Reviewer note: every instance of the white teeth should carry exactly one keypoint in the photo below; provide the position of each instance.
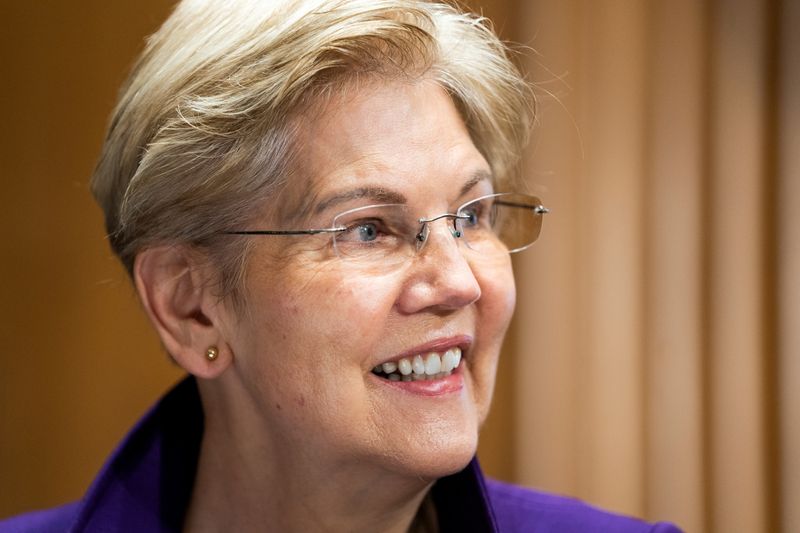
(433, 364)
(448, 361)
(418, 365)
(404, 366)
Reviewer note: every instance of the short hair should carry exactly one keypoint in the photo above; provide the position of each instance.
(203, 134)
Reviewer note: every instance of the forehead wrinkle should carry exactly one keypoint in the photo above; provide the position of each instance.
(364, 165)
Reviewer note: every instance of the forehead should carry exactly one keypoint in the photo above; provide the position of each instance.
(405, 139)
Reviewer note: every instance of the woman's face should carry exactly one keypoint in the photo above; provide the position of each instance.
(315, 325)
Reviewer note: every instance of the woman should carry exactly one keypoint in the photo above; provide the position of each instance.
(315, 201)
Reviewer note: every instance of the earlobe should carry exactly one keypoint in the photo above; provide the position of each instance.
(173, 285)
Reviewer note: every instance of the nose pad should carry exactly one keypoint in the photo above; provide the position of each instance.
(422, 235)
(425, 230)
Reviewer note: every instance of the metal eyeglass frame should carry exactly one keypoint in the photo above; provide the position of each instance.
(421, 236)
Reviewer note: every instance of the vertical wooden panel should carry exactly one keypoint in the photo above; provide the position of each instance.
(673, 345)
(580, 382)
(789, 263)
(546, 384)
(737, 267)
(612, 113)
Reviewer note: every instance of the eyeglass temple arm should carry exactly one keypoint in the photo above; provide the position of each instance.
(539, 209)
(285, 232)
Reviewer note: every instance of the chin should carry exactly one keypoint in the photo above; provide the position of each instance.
(453, 460)
(435, 452)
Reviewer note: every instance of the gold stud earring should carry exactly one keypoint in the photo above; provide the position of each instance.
(212, 353)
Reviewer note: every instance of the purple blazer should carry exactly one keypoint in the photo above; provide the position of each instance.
(146, 484)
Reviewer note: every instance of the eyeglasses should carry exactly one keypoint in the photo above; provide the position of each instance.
(386, 235)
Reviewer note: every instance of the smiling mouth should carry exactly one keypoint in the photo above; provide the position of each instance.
(421, 367)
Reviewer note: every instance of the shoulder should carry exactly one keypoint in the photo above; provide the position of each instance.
(521, 509)
(56, 520)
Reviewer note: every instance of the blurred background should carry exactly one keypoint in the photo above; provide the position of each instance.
(654, 364)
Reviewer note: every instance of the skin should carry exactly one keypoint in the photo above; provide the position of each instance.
(300, 434)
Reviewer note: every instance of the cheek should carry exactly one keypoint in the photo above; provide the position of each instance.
(499, 295)
(348, 310)
(323, 313)
(498, 298)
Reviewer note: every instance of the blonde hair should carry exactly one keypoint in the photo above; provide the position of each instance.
(203, 131)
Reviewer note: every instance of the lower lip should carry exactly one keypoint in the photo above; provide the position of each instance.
(430, 387)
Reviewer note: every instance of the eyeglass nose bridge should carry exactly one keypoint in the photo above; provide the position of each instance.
(424, 230)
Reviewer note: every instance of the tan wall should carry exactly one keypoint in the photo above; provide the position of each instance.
(653, 364)
(656, 372)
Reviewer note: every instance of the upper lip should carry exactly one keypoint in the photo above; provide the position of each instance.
(437, 345)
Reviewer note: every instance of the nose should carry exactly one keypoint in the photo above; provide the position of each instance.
(440, 277)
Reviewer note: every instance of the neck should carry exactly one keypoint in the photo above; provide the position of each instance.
(244, 484)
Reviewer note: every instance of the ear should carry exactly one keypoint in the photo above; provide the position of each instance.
(173, 285)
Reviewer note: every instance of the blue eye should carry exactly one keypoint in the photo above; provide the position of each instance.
(473, 217)
(364, 232)
(367, 232)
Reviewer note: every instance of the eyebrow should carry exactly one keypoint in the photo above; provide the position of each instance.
(383, 195)
(377, 194)
(476, 177)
